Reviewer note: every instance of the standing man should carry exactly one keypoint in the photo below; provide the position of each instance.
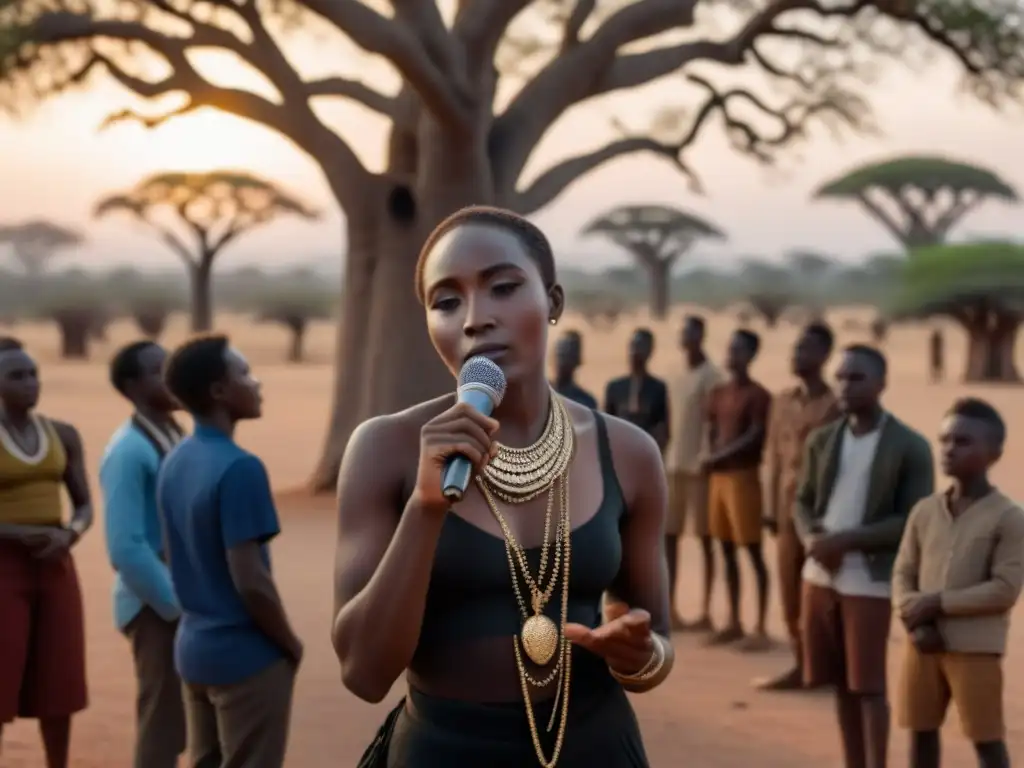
(796, 412)
(737, 419)
(235, 649)
(639, 397)
(687, 482)
(568, 358)
(145, 607)
(861, 477)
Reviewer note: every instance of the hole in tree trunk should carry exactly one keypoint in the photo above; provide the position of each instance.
(401, 204)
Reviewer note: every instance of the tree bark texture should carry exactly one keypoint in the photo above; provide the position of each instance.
(991, 347)
(200, 278)
(660, 274)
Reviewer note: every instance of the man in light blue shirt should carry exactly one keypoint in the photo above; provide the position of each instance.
(146, 609)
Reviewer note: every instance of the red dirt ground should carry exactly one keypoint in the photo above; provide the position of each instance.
(705, 716)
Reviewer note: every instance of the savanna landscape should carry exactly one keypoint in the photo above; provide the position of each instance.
(705, 715)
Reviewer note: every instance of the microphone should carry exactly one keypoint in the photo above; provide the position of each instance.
(482, 385)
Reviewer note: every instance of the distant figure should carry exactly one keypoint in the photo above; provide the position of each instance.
(955, 597)
(863, 474)
(737, 419)
(688, 484)
(879, 330)
(936, 356)
(796, 412)
(146, 609)
(42, 632)
(568, 358)
(235, 649)
(640, 398)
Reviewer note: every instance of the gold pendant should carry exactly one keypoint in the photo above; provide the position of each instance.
(540, 638)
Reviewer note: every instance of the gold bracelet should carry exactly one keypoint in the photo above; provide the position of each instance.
(649, 670)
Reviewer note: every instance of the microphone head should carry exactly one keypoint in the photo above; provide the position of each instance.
(482, 373)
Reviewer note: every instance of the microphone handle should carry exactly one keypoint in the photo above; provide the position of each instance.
(458, 470)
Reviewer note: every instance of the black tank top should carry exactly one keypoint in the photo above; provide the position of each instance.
(470, 594)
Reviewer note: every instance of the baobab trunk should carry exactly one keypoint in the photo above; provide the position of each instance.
(199, 276)
(660, 275)
(991, 348)
(385, 361)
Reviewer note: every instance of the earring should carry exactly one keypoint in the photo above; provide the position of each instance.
(553, 321)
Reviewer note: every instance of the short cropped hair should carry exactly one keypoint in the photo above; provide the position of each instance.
(873, 354)
(822, 333)
(10, 344)
(646, 334)
(194, 367)
(751, 339)
(124, 367)
(529, 235)
(696, 321)
(982, 411)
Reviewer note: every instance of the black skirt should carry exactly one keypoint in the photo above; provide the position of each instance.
(445, 733)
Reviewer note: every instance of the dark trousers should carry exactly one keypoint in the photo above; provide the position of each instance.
(160, 713)
(244, 725)
(791, 557)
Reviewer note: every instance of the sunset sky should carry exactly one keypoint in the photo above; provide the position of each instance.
(56, 163)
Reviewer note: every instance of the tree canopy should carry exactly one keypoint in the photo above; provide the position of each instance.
(918, 199)
(35, 243)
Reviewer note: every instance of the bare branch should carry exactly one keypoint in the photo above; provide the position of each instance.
(402, 47)
(574, 23)
(353, 90)
(481, 24)
(831, 106)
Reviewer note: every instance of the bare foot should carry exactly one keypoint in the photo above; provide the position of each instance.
(791, 680)
(726, 636)
(759, 642)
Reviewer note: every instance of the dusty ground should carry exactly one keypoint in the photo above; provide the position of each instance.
(706, 716)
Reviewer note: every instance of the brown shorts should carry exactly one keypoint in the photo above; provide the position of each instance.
(42, 643)
(845, 640)
(735, 506)
(687, 500)
(972, 681)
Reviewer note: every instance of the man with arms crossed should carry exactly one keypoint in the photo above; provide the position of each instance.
(861, 476)
(957, 577)
(235, 650)
(145, 607)
(737, 418)
(796, 412)
(687, 483)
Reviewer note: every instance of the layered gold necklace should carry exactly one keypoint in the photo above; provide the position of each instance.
(517, 475)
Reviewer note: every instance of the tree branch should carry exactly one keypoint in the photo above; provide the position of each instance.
(791, 120)
(353, 90)
(883, 218)
(401, 46)
(480, 25)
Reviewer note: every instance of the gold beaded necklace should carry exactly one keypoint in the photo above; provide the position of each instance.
(518, 475)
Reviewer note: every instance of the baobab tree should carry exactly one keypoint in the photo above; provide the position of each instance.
(656, 236)
(479, 84)
(209, 209)
(981, 287)
(34, 244)
(918, 199)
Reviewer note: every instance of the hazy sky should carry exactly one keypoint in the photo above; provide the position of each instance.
(56, 164)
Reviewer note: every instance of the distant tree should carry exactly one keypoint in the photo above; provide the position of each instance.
(600, 309)
(981, 287)
(295, 307)
(212, 209)
(918, 199)
(810, 266)
(767, 289)
(656, 236)
(78, 308)
(35, 244)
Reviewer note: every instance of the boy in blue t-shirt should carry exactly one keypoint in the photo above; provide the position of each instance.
(235, 649)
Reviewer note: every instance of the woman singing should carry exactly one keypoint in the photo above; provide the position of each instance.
(491, 606)
(42, 641)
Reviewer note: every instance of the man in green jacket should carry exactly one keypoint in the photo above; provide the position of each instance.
(861, 477)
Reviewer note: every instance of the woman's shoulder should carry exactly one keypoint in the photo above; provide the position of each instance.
(388, 432)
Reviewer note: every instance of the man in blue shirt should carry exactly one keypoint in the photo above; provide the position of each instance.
(235, 649)
(145, 607)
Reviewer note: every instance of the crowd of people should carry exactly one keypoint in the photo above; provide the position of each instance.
(422, 588)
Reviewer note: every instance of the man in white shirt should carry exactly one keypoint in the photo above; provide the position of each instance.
(861, 477)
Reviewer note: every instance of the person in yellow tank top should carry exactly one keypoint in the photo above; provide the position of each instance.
(42, 644)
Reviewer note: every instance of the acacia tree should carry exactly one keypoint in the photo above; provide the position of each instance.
(295, 308)
(981, 287)
(918, 199)
(768, 289)
(213, 209)
(656, 236)
(481, 82)
(34, 244)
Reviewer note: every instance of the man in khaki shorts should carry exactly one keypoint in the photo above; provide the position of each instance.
(688, 485)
